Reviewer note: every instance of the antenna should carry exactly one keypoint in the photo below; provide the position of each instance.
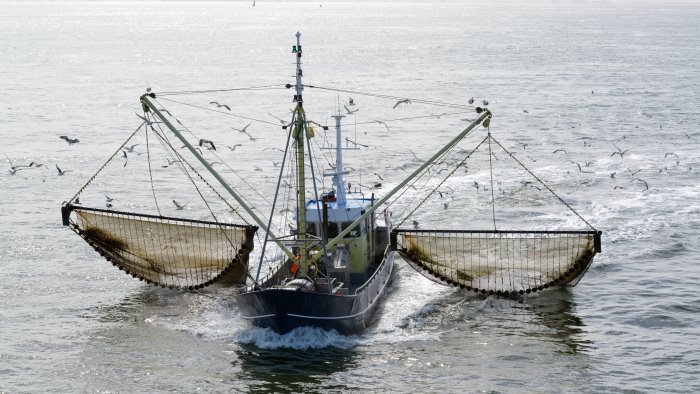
(297, 49)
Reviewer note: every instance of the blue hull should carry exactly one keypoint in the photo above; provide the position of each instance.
(283, 310)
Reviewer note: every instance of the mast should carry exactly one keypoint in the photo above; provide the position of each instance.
(299, 136)
(338, 180)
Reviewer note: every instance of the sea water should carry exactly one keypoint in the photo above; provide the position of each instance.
(592, 78)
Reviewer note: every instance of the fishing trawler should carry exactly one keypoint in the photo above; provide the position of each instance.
(332, 269)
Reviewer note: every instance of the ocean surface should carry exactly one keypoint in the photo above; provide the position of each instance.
(571, 86)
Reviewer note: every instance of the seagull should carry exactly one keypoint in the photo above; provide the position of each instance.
(14, 168)
(402, 101)
(243, 130)
(220, 105)
(170, 162)
(646, 185)
(485, 102)
(379, 176)
(109, 199)
(380, 122)
(131, 148)
(35, 164)
(579, 166)
(632, 173)
(126, 159)
(439, 115)
(351, 102)
(178, 206)
(526, 111)
(471, 100)
(69, 140)
(281, 150)
(60, 171)
(203, 142)
(669, 154)
(234, 147)
(619, 151)
(415, 224)
(349, 111)
(561, 150)
(476, 185)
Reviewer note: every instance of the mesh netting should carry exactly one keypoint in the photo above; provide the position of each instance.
(176, 253)
(501, 262)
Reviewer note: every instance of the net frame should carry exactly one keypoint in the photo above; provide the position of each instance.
(547, 259)
(181, 270)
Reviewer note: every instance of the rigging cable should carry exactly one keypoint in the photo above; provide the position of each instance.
(543, 184)
(266, 87)
(230, 241)
(388, 97)
(222, 160)
(443, 181)
(493, 199)
(106, 162)
(221, 112)
(150, 173)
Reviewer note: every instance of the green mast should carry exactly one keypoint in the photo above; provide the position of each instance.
(299, 137)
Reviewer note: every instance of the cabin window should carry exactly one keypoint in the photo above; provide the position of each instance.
(311, 228)
(332, 230)
(354, 233)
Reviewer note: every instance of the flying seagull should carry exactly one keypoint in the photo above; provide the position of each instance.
(179, 206)
(619, 151)
(243, 130)
(69, 140)
(60, 171)
(402, 101)
(234, 147)
(471, 100)
(210, 144)
(349, 111)
(220, 105)
(380, 122)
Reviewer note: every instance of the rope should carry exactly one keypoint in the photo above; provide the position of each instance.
(413, 117)
(150, 173)
(181, 160)
(442, 182)
(222, 112)
(106, 162)
(542, 183)
(422, 101)
(265, 87)
(223, 161)
(493, 199)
